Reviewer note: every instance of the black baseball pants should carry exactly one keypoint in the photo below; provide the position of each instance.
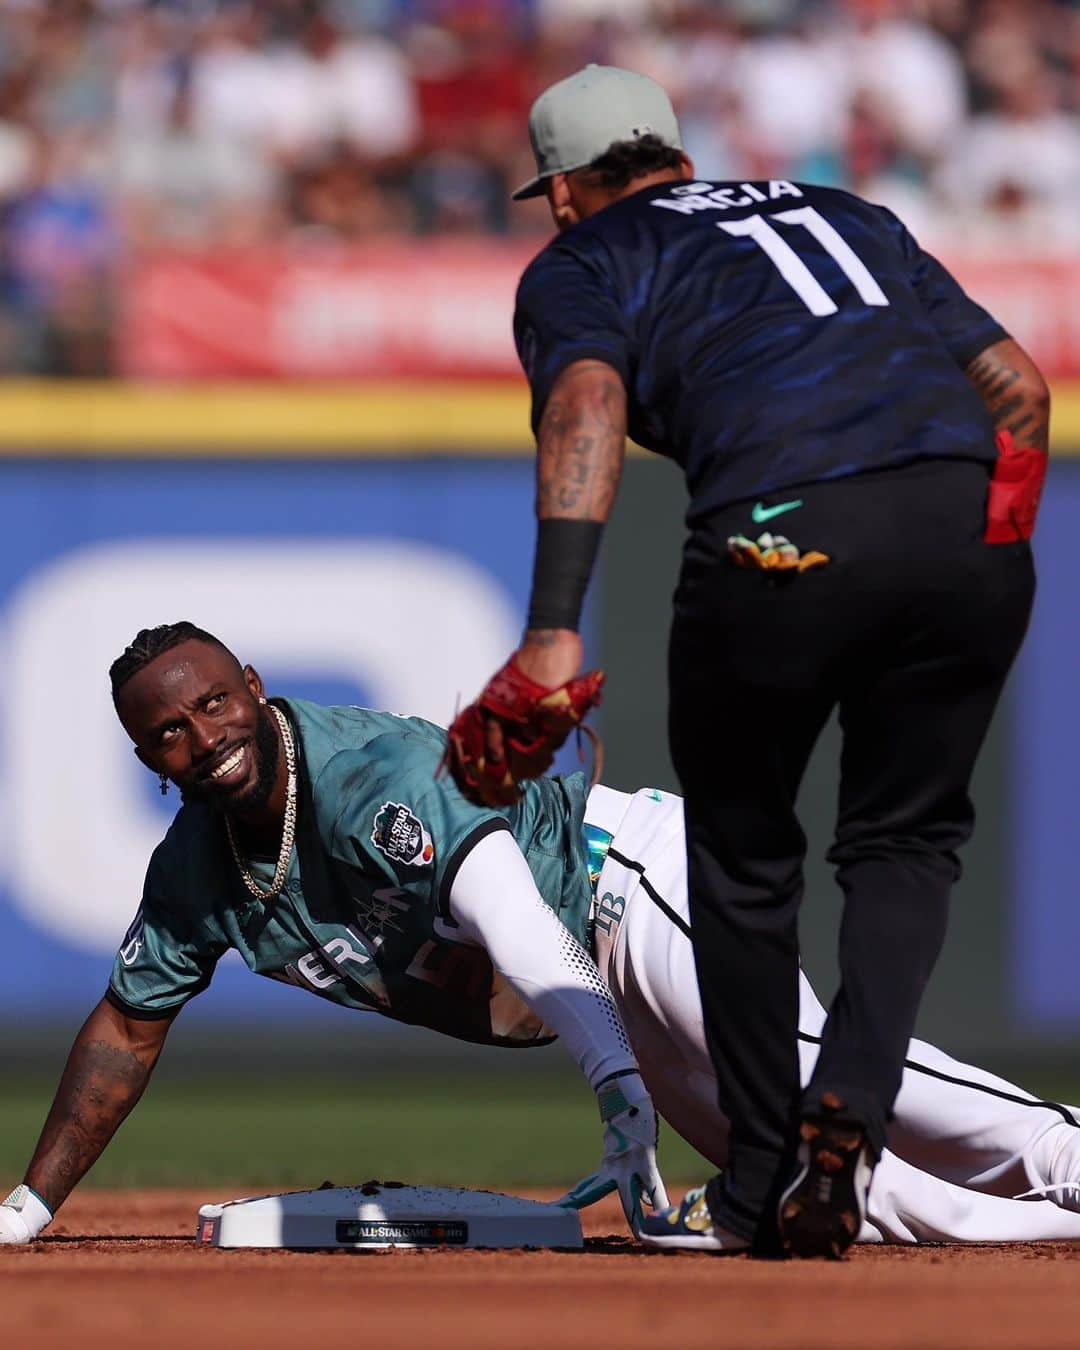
(910, 630)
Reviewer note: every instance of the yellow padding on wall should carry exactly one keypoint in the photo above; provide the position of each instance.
(62, 418)
(113, 418)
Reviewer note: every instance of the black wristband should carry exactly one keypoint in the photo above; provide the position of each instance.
(565, 553)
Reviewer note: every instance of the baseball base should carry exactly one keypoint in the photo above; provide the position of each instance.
(381, 1214)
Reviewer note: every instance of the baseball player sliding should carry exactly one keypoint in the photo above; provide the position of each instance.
(319, 843)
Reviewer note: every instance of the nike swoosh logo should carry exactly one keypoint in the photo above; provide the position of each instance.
(761, 513)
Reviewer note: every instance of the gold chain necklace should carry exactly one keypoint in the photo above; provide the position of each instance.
(288, 828)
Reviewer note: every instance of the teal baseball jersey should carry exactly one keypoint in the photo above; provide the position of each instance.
(363, 919)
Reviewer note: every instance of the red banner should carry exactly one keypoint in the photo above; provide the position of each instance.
(439, 309)
(1037, 300)
(421, 310)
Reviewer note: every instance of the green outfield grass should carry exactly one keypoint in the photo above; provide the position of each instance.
(468, 1129)
(223, 1113)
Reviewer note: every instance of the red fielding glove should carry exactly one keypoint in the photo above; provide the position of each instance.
(1015, 488)
(535, 721)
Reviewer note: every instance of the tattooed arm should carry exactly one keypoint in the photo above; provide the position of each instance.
(581, 444)
(1014, 392)
(106, 1072)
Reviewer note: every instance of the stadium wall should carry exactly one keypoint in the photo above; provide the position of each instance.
(373, 545)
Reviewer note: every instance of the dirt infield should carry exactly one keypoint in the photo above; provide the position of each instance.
(121, 1270)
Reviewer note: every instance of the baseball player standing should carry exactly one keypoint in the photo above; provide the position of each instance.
(864, 449)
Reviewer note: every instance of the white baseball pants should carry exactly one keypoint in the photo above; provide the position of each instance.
(962, 1142)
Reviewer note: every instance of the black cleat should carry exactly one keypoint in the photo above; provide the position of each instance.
(821, 1212)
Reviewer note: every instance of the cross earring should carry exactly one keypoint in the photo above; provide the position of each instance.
(163, 783)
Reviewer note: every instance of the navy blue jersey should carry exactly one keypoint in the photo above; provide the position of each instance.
(769, 334)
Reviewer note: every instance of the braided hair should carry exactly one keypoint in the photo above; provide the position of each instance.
(150, 643)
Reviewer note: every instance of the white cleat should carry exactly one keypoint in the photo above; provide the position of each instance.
(1065, 1194)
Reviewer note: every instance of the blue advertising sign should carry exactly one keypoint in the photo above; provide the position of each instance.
(399, 584)
(1045, 774)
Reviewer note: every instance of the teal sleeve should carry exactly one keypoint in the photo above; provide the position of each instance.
(162, 962)
(387, 807)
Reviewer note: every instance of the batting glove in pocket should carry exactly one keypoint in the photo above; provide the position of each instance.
(773, 553)
(629, 1162)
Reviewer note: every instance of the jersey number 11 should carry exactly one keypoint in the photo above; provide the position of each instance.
(792, 268)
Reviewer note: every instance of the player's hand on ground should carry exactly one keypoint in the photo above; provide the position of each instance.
(629, 1162)
(513, 730)
(23, 1215)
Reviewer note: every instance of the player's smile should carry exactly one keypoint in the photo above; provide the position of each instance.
(229, 767)
(229, 770)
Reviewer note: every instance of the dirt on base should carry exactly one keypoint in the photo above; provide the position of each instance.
(121, 1269)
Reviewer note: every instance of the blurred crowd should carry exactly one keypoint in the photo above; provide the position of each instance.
(128, 125)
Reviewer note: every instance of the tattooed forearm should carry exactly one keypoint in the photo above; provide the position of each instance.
(103, 1079)
(581, 443)
(100, 1086)
(1014, 392)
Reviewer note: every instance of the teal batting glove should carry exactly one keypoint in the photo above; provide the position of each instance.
(629, 1161)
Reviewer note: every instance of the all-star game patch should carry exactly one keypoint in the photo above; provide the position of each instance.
(401, 836)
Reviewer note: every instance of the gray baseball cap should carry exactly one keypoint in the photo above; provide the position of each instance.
(577, 120)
